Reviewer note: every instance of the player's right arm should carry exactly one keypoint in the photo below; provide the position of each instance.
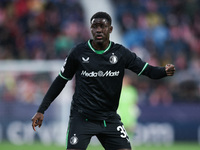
(37, 120)
(54, 90)
(66, 73)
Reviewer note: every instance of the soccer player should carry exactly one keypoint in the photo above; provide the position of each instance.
(98, 66)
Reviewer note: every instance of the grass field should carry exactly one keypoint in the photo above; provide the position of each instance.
(38, 146)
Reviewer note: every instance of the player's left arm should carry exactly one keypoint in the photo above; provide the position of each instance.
(155, 72)
(170, 69)
(137, 65)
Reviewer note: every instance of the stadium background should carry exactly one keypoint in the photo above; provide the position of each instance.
(36, 35)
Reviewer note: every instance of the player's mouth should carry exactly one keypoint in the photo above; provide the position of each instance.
(99, 37)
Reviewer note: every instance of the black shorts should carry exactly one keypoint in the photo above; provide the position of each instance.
(112, 135)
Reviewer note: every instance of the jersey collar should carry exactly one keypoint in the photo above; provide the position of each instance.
(99, 51)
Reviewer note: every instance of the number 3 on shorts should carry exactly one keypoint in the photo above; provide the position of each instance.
(123, 132)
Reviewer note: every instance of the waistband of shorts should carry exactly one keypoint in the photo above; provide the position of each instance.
(79, 112)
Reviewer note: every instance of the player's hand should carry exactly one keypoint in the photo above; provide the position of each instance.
(170, 69)
(37, 120)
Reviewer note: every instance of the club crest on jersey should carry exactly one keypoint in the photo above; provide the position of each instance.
(113, 59)
(85, 60)
(74, 140)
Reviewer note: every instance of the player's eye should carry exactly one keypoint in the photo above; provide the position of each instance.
(94, 26)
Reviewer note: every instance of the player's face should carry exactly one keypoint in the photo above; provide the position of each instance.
(100, 29)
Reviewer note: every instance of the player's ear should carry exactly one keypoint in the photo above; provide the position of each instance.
(110, 29)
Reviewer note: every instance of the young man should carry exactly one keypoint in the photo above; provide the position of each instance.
(98, 66)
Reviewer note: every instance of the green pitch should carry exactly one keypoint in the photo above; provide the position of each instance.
(38, 146)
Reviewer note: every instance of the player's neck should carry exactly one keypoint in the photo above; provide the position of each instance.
(100, 46)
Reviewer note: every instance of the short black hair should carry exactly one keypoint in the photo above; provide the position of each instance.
(102, 15)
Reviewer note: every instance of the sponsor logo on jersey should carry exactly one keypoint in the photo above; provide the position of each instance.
(107, 73)
(113, 59)
(74, 140)
(85, 60)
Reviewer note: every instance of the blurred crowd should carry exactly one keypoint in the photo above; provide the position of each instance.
(159, 31)
(40, 29)
(25, 87)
